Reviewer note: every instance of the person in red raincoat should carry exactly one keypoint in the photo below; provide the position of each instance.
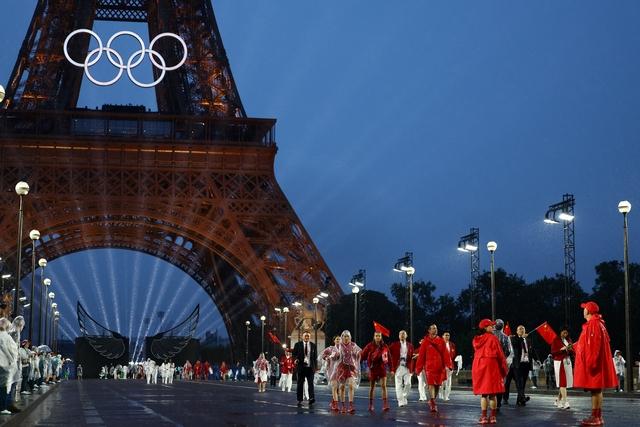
(594, 370)
(224, 368)
(197, 370)
(376, 353)
(206, 366)
(434, 359)
(488, 370)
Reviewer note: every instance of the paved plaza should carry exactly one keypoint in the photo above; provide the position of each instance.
(134, 403)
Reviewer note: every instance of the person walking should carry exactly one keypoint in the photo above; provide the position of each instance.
(507, 350)
(561, 349)
(402, 367)
(432, 359)
(522, 356)
(445, 390)
(261, 369)
(488, 370)
(376, 353)
(619, 363)
(330, 357)
(594, 370)
(305, 355)
(347, 374)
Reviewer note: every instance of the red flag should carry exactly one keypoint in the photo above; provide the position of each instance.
(507, 330)
(274, 339)
(379, 328)
(546, 332)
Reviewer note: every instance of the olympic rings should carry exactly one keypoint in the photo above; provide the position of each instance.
(117, 61)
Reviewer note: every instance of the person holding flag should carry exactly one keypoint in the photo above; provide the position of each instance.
(376, 353)
(433, 360)
(561, 350)
(594, 370)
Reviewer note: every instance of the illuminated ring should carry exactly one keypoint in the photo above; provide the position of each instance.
(114, 37)
(85, 64)
(163, 66)
(141, 53)
(99, 51)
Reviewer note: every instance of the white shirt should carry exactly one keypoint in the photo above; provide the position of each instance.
(525, 354)
(307, 353)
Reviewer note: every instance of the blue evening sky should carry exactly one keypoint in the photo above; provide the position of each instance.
(401, 124)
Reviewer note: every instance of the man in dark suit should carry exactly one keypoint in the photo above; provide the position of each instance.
(521, 365)
(306, 360)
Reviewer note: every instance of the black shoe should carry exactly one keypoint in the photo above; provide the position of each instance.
(13, 409)
(527, 398)
(312, 401)
(299, 404)
(505, 401)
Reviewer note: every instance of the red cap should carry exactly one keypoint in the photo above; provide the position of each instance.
(591, 307)
(486, 322)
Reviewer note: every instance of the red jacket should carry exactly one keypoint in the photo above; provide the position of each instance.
(286, 365)
(594, 368)
(394, 349)
(489, 365)
(376, 356)
(556, 351)
(432, 358)
(452, 351)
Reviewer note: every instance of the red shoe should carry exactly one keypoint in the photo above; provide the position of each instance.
(370, 406)
(385, 405)
(592, 421)
(492, 419)
(432, 405)
(483, 420)
(343, 408)
(333, 406)
(352, 410)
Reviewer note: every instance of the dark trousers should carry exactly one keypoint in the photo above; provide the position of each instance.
(25, 379)
(272, 380)
(305, 372)
(507, 386)
(521, 375)
(621, 382)
(550, 380)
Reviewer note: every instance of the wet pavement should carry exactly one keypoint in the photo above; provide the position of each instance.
(134, 403)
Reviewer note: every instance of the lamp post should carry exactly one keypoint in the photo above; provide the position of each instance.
(355, 290)
(54, 308)
(315, 301)
(56, 320)
(405, 264)
(470, 243)
(491, 247)
(42, 263)
(246, 350)
(285, 310)
(298, 305)
(22, 189)
(624, 207)
(357, 281)
(44, 309)
(34, 235)
(564, 212)
(47, 332)
(262, 319)
(279, 314)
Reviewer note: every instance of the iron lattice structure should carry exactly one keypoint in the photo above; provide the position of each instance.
(471, 243)
(193, 184)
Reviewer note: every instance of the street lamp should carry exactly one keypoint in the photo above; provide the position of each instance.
(246, 351)
(262, 318)
(22, 189)
(42, 263)
(285, 310)
(47, 331)
(44, 306)
(405, 265)
(624, 207)
(315, 301)
(298, 305)
(470, 243)
(34, 235)
(357, 281)
(56, 320)
(491, 247)
(563, 212)
(54, 308)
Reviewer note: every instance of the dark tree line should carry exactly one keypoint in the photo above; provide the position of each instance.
(517, 302)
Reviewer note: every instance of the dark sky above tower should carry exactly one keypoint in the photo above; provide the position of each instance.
(403, 124)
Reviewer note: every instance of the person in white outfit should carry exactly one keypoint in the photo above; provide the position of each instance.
(619, 363)
(8, 362)
(445, 390)
(402, 367)
(422, 383)
(172, 370)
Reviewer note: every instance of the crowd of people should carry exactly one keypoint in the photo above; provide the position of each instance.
(498, 360)
(24, 368)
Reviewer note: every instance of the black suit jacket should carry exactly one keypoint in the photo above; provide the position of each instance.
(298, 355)
(516, 343)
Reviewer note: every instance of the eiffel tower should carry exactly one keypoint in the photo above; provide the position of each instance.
(192, 184)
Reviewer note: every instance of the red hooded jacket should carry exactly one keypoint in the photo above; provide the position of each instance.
(594, 368)
(489, 365)
(433, 358)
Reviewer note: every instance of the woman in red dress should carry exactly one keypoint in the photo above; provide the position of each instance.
(561, 350)
(376, 354)
(434, 359)
(489, 370)
(594, 369)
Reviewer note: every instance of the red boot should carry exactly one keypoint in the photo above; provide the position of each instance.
(492, 418)
(432, 405)
(343, 407)
(593, 420)
(385, 405)
(333, 406)
(352, 410)
(483, 417)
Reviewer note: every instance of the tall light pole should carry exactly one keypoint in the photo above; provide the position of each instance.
(470, 243)
(246, 350)
(355, 290)
(54, 309)
(47, 332)
(564, 212)
(624, 207)
(279, 314)
(56, 320)
(285, 310)
(22, 189)
(315, 301)
(44, 309)
(357, 281)
(405, 265)
(42, 263)
(262, 319)
(491, 247)
(34, 235)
